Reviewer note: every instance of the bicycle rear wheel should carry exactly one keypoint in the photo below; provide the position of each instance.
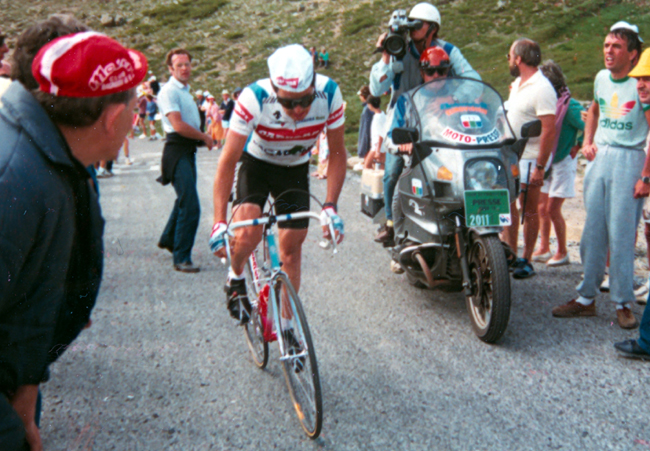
(254, 329)
(299, 358)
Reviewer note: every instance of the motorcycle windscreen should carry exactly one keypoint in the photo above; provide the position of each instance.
(462, 113)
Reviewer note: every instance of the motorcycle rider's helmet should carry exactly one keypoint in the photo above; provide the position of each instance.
(425, 12)
(434, 58)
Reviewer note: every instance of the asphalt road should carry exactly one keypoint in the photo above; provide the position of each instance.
(163, 367)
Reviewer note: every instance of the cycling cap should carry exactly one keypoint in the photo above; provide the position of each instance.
(198, 92)
(434, 58)
(291, 68)
(425, 12)
(626, 26)
(87, 64)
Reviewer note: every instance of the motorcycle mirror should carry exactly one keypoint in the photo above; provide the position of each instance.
(531, 129)
(405, 135)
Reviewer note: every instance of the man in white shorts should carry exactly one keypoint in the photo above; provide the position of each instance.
(531, 97)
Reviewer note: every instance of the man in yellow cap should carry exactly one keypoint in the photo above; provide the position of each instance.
(640, 349)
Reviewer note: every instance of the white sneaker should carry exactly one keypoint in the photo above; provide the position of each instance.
(142, 136)
(101, 172)
(128, 161)
(358, 167)
(641, 293)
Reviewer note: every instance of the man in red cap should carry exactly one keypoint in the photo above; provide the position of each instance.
(69, 108)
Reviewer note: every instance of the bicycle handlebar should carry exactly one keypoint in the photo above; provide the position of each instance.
(325, 244)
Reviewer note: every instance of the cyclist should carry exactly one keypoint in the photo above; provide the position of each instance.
(275, 123)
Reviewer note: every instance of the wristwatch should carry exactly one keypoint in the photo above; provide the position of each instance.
(646, 180)
(539, 166)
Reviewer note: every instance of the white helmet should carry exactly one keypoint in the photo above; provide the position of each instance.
(425, 12)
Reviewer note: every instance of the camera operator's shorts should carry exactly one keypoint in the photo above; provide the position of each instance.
(562, 181)
(257, 179)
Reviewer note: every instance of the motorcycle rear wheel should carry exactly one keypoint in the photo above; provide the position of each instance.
(489, 304)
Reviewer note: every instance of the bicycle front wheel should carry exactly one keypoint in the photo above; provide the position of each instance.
(299, 358)
(254, 329)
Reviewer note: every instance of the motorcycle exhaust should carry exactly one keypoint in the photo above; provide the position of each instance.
(412, 254)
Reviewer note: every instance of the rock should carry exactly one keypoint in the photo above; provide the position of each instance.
(107, 20)
(276, 29)
(301, 8)
(120, 20)
(501, 5)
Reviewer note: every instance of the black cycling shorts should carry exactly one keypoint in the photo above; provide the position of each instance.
(257, 179)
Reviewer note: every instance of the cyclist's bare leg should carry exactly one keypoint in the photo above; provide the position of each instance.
(291, 241)
(246, 238)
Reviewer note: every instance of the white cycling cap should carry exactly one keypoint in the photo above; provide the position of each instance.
(627, 26)
(291, 68)
(198, 93)
(225, 91)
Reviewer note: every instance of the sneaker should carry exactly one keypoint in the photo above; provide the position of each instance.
(142, 136)
(626, 318)
(127, 161)
(186, 267)
(604, 287)
(561, 262)
(358, 167)
(542, 258)
(524, 270)
(640, 289)
(235, 297)
(631, 349)
(386, 236)
(294, 348)
(101, 173)
(574, 309)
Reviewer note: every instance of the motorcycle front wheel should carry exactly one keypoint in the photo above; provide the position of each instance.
(489, 303)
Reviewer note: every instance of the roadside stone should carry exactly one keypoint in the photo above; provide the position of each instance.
(107, 20)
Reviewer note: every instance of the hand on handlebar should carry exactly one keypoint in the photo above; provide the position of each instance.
(329, 215)
(218, 240)
(405, 148)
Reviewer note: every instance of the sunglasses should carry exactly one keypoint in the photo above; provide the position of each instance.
(431, 71)
(302, 102)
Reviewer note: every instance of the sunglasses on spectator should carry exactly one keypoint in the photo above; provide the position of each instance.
(303, 102)
(431, 71)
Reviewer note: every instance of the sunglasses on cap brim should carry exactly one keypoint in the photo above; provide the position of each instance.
(431, 71)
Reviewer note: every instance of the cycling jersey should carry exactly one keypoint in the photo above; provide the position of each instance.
(272, 135)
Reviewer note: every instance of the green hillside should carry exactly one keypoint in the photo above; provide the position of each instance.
(231, 39)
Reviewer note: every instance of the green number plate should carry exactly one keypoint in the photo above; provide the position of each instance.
(487, 208)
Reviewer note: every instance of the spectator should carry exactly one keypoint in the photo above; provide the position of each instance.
(142, 112)
(5, 68)
(200, 99)
(324, 58)
(640, 348)
(154, 85)
(49, 137)
(214, 118)
(616, 181)
(226, 110)
(531, 97)
(377, 133)
(152, 110)
(363, 142)
(314, 55)
(560, 184)
(181, 122)
(235, 93)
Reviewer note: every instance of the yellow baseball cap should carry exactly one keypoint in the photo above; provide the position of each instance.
(642, 69)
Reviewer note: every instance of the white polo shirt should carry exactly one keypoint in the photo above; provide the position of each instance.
(536, 97)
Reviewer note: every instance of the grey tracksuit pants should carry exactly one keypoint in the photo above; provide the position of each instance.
(612, 217)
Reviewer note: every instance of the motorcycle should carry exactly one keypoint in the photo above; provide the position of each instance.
(453, 197)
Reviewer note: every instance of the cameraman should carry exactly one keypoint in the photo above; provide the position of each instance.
(402, 74)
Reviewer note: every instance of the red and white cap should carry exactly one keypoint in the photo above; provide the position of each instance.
(87, 64)
(291, 68)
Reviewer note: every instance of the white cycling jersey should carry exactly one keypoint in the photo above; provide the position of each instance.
(272, 135)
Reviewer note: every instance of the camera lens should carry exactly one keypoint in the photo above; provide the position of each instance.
(395, 45)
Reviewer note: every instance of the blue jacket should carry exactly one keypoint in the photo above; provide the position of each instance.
(50, 242)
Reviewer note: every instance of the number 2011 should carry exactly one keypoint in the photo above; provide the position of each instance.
(479, 220)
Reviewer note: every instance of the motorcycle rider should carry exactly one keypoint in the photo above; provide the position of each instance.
(403, 74)
(434, 64)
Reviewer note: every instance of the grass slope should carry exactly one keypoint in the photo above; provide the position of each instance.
(231, 39)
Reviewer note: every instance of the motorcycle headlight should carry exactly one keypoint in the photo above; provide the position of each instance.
(484, 175)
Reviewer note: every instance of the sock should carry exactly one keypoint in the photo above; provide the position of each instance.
(233, 276)
(389, 223)
(622, 305)
(584, 301)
